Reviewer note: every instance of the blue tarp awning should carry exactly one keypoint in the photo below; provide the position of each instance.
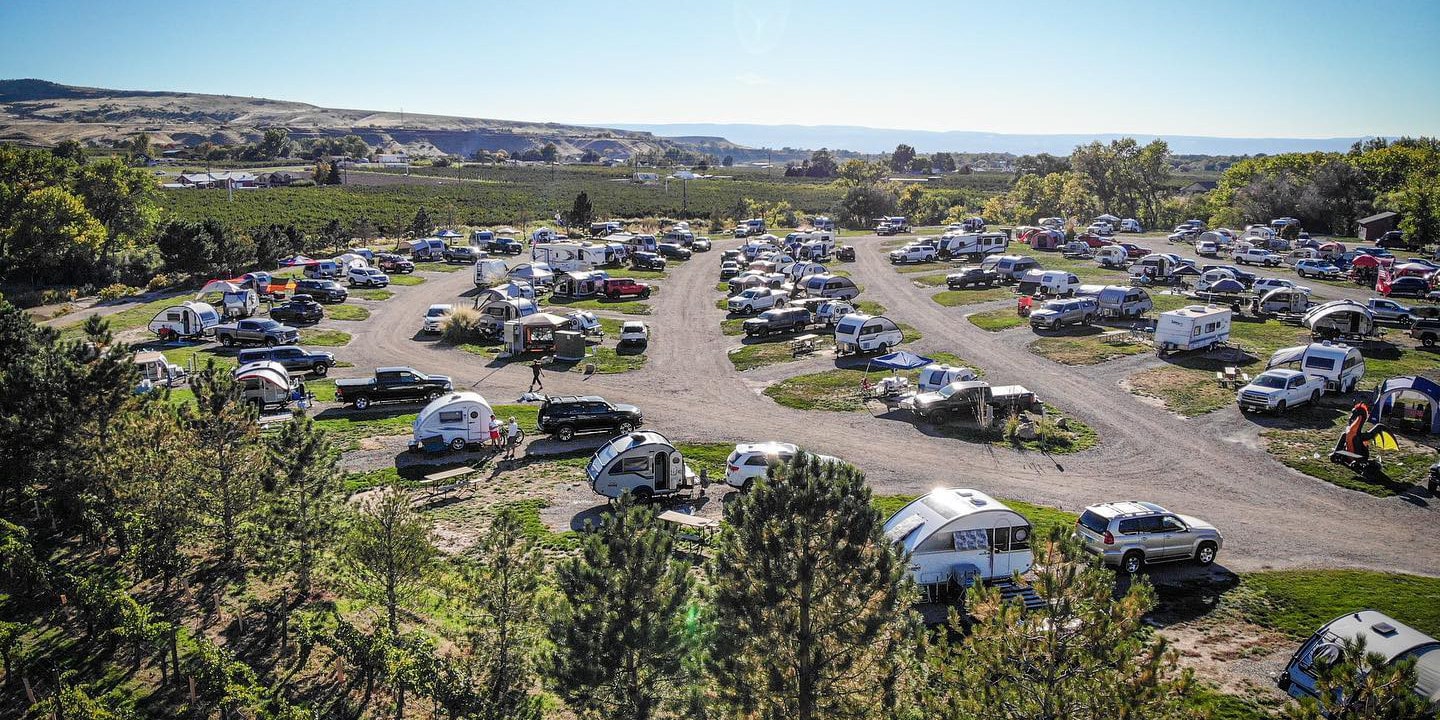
(901, 360)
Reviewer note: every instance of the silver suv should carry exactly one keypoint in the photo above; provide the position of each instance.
(1131, 534)
(1055, 313)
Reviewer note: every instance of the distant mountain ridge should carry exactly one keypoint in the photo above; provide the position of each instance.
(878, 140)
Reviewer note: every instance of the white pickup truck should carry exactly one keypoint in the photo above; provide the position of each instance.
(1257, 256)
(914, 254)
(1276, 390)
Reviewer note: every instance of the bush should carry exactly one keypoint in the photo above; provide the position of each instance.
(115, 291)
(1012, 424)
(462, 326)
(159, 282)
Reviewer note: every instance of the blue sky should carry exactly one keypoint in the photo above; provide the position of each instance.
(1267, 68)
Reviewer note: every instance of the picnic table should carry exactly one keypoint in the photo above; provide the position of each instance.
(1232, 377)
(804, 344)
(692, 529)
(443, 479)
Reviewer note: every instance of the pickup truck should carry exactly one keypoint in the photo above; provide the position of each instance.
(959, 399)
(756, 299)
(971, 277)
(504, 244)
(1384, 309)
(256, 332)
(463, 254)
(914, 254)
(1275, 390)
(295, 359)
(777, 320)
(391, 384)
(1256, 256)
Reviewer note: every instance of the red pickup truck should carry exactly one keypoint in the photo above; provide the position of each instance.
(625, 287)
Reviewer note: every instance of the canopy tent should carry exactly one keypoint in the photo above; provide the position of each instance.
(1414, 398)
(1331, 247)
(533, 273)
(901, 360)
(1412, 268)
(298, 260)
(218, 286)
(447, 234)
(1107, 217)
(1228, 286)
(1369, 261)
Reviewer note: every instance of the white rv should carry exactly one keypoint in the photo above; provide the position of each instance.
(857, 333)
(189, 319)
(1341, 366)
(643, 464)
(568, 256)
(1194, 327)
(1054, 283)
(973, 245)
(452, 421)
(489, 271)
(953, 537)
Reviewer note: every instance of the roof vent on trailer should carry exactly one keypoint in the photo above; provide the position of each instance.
(1383, 628)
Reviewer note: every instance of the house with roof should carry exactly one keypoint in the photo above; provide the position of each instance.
(1199, 187)
(1374, 227)
(232, 179)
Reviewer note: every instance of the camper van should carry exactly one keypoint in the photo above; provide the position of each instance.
(1339, 319)
(266, 386)
(974, 245)
(1339, 365)
(488, 272)
(643, 464)
(859, 333)
(190, 319)
(953, 537)
(452, 421)
(937, 375)
(322, 270)
(1117, 301)
(1195, 327)
(1383, 635)
(568, 256)
(835, 287)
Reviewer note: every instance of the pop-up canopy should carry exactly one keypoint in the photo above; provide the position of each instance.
(901, 360)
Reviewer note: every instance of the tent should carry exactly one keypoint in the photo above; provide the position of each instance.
(1107, 217)
(1412, 268)
(1369, 261)
(298, 260)
(533, 332)
(532, 273)
(447, 234)
(1411, 399)
(218, 286)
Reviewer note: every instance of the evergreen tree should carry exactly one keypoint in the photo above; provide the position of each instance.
(230, 458)
(1361, 685)
(151, 471)
(504, 591)
(333, 177)
(811, 617)
(621, 633)
(421, 226)
(581, 213)
(389, 548)
(304, 500)
(1084, 655)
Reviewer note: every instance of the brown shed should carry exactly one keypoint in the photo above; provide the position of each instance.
(1374, 227)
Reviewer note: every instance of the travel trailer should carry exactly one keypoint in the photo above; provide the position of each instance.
(857, 333)
(1383, 635)
(488, 272)
(1010, 268)
(1339, 365)
(643, 464)
(266, 385)
(236, 301)
(1048, 282)
(1195, 327)
(452, 421)
(953, 537)
(1117, 301)
(836, 287)
(569, 256)
(973, 245)
(1111, 256)
(1283, 301)
(190, 319)
(937, 375)
(1339, 319)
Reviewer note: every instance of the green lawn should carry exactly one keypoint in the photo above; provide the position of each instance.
(372, 294)
(935, 280)
(443, 267)
(1306, 448)
(869, 307)
(406, 280)
(1087, 349)
(626, 307)
(996, 320)
(1184, 391)
(348, 312)
(1298, 602)
(972, 296)
(324, 338)
(831, 390)
(732, 327)
(347, 430)
(760, 354)
(709, 457)
(134, 317)
(610, 362)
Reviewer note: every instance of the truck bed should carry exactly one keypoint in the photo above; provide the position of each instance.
(1010, 395)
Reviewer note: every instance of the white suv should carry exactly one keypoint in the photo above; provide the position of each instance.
(1257, 256)
(750, 461)
(757, 299)
(435, 318)
(914, 254)
(367, 277)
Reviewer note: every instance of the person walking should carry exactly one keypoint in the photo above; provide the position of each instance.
(512, 437)
(535, 376)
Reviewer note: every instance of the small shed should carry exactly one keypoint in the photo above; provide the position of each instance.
(1374, 227)
(533, 333)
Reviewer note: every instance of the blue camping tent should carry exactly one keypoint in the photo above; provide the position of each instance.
(1410, 385)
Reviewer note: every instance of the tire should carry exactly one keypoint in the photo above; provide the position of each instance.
(645, 293)
(1087, 320)
(643, 495)
(1205, 554)
(432, 395)
(320, 369)
(1428, 341)
(883, 348)
(1314, 397)
(269, 342)
(361, 402)
(565, 433)
(227, 340)
(1279, 407)
(1132, 562)
(624, 428)
(458, 444)
(745, 486)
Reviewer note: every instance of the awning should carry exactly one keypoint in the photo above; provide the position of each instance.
(901, 360)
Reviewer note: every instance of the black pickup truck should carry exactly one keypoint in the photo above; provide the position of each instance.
(256, 332)
(295, 359)
(961, 398)
(391, 384)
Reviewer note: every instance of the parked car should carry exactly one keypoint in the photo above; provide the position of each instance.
(322, 290)
(673, 250)
(1258, 256)
(646, 261)
(756, 299)
(566, 416)
(256, 332)
(1130, 535)
(961, 398)
(463, 254)
(504, 245)
(1207, 248)
(435, 317)
(1245, 277)
(1416, 287)
(729, 269)
(1266, 284)
(391, 384)
(1058, 313)
(777, 320)
(392, 263)
(614, 288)
(634, 332)
(1317, 268)
(1426, 330)
(1135, 251)
(1384, 309)
(751, 461)
(914, 254)
(296, 359)
(971, 277)
(1276, 390)
(1093, 240)
(367, 277)
(1184, 235)
(700, 244)
(299, 308)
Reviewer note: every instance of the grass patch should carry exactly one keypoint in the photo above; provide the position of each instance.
(1213, 704)
(831, 390)
(996, 320)
(135, 317)
(935, 280)
(722, 286)
(732, 327)
(972, 296)
(435, 267)
(1184, 391)
(324, 338)
(625, 307)
(908, 333)
(869, 307)
(709, 457)
(347, 430)
(535, 528)
(1087, 350)
(406, 280)
(348, 312)
(608, 361)
(1307, 449)
(373, 294)
(760, 354)
(1298, 602)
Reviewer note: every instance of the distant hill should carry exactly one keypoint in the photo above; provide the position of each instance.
(39, 112)
(877, 140)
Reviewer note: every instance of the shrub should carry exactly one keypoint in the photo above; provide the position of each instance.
(159, 282)
(462, 326)
(115, 291)
(1012, 425)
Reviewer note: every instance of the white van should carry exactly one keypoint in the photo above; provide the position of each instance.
(1340, 365)
(859, 333)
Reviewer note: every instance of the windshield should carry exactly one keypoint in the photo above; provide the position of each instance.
(1269, 381)
(268, 324)
(436, 312)
(948, 390)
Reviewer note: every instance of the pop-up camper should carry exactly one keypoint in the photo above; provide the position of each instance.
(452, 421)
(642, 463)
(953, 537)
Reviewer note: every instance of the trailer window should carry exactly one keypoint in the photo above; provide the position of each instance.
(635, 465)
(1020, 538)
(448, 416)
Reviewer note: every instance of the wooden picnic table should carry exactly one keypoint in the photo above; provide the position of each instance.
(804, 344)
(693, 529)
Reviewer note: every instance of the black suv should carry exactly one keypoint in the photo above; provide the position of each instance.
(565, 416)
(777, 320)
(674, 250)
(322, 290)
(295, 359)
(647, 261)
(504, 244)
(300, 308)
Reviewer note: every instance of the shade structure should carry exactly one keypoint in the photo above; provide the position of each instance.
(901, 360)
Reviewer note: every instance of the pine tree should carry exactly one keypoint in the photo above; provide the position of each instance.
(621, 635)
(304, 500)
(150, 471)
(505, 594)
(231, 458)
(581, 213)
(810, 612)
(390, 549)
(421, 226)
(1084, 655)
